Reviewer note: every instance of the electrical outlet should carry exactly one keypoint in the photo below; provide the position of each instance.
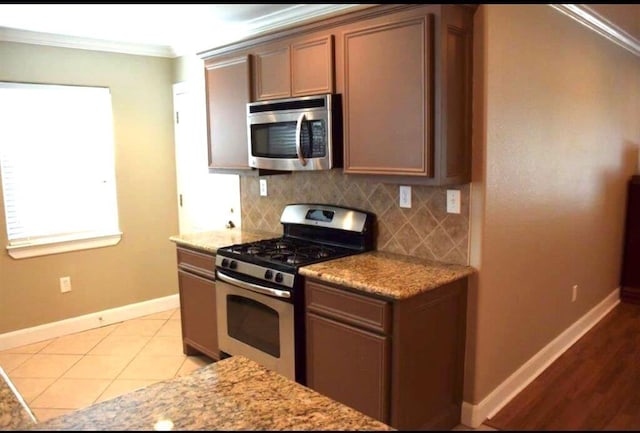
(65, 284)
(405, 196)
(574, 293)
(453, 201)
(263, 187)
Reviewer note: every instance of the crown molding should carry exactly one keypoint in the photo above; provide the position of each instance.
(287, 17)
(293, 16)
(596, 22)
(298, 15)
(83, 43)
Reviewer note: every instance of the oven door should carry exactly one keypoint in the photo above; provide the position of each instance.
(255, 325)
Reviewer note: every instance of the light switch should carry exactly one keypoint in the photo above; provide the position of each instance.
(263, 187)
(405, 196)
(453, 201)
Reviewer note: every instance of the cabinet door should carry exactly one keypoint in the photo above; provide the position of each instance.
(630, 291)
(349, 365)
(312, 70)
(198, 314)
(228, 92)
(388, 100)
(273, 73)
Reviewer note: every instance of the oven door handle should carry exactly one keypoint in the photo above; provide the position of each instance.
(299, 139)
(253, 287)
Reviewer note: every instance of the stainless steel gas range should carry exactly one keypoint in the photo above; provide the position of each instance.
(260, 294)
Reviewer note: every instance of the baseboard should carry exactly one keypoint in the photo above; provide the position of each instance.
(474, 415)
(86, 322)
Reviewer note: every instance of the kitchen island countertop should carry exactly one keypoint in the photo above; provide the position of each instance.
(14, 412)
(233, 394)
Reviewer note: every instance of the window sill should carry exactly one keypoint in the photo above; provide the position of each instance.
(62, 246)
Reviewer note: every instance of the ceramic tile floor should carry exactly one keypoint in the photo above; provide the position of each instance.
(67, 373)
(63, 374)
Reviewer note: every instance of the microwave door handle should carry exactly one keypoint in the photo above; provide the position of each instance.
(299, 139)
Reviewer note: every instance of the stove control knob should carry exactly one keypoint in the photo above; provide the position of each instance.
(268, 275)
(225, 263)
(233, 264)
(278, 277)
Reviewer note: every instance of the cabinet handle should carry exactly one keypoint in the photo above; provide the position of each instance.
(299, 139)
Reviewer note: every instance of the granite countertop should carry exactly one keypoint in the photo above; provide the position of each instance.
(14, 412)
(390, 275)
(212, 240)
(233, 394)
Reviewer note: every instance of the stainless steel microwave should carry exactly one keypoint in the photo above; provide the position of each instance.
(303, 133)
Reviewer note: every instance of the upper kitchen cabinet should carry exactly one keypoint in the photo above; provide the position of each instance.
(228, 91)
(406, 84)
(302, 67)
(404, 72)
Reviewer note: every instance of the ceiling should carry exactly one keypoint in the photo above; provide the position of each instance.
(171, 30)
(167, 30)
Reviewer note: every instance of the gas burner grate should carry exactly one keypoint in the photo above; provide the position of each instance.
(286, 251)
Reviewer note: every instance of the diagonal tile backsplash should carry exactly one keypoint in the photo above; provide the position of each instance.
(425, 230)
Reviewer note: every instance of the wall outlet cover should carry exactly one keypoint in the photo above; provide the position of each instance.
(65, 284)
(405, 196)
(453, 201)
(263, 187)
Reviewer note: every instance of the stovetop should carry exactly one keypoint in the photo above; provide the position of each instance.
(284, 252)
(311, 233)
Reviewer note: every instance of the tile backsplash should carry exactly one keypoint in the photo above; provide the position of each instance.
(425, 230)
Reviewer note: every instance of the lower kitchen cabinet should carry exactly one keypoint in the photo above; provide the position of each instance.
(196, 280)
(355, 371)
(400, 361)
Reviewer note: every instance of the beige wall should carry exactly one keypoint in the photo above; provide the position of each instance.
(142, 266)
(189, 68)
(557, 132)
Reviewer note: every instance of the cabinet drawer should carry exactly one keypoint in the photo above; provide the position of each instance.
(358, 310)
(197, 262)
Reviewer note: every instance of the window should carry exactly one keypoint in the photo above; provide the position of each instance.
(57, 166)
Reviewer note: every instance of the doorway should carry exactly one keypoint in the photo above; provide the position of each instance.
(206, 201)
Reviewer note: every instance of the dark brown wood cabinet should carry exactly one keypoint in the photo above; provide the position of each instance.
(312, 66)
(272, 78)
(405, 75)
(197, 286)
(300, 68)
(630, 284)
(399, 361)
(228, 91)
(407, 94)
(355, 371)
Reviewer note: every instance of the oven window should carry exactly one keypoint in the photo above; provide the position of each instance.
(254, 324)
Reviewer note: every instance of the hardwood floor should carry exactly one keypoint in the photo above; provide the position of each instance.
(595, 385)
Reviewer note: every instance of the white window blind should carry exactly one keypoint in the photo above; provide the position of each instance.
(57, 163)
